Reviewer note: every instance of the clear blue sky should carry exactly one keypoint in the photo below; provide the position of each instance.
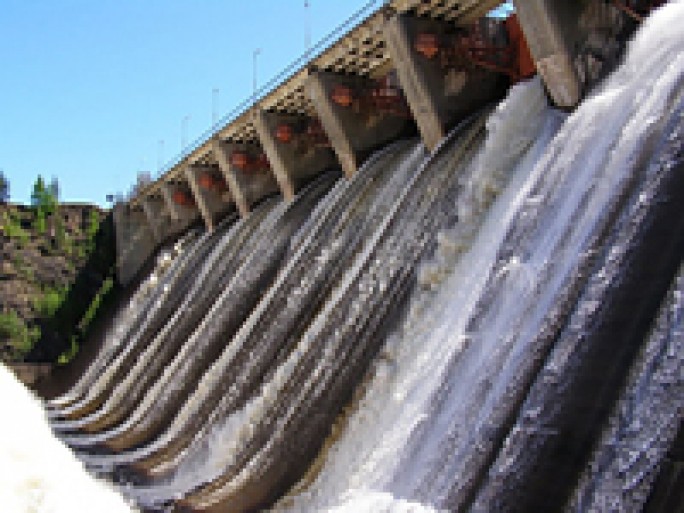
(88, 88)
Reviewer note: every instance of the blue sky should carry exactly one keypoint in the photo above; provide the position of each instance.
(89, 88)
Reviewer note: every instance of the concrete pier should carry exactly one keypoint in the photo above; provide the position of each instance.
(181, 216)
(550, 27)
(212, 203)
(157, 217)
(294, 162)
(135, 241)
(438, 95)
(247, 186)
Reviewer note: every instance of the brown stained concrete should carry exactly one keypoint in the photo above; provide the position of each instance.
(213, 205)
(247, 187)
(295, 163)
(356, 130)
(438, 98)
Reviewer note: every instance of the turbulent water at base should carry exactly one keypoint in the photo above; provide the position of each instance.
(38, 474)
(420, 337)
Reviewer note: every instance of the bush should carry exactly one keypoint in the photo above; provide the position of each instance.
(15, 334)
(11, 227)
(39, 222)
(47, 304)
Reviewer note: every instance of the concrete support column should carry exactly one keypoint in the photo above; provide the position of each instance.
(171, 206)
(550, 26)
(222, 155)
(247, 186)
(353, 132)
(437, 96)
(419, 83)
(294, 163)
(191, 175)
(210, 203)
(135, 242)
(154, 209)
(180, 216)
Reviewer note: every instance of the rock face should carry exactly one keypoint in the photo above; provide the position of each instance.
(40, 260)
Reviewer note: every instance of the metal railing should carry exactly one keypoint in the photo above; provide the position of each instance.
(288, 72)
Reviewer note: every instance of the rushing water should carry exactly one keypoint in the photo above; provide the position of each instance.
(429, 425)
(462, 305)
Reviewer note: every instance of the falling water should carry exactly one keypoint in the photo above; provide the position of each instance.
(413, 364)
(167, 295)
(210, 276)
(349, 212)
(147, 293)
(430, 423)
(644, 422)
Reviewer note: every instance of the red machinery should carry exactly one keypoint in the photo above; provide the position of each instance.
(284, 133)
(342, 95)
(210, 182)
(384, 96)
(249, 163)
(183, 198)
(304, 132)
(488, 45)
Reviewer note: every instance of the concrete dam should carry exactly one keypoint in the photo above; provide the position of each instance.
(435, 266)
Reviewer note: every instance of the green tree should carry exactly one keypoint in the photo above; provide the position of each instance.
(4, 188)
(39, 192)
(44, 203)
(39, 222)
(43, 198)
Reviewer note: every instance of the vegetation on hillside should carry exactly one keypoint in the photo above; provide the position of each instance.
(56, 269)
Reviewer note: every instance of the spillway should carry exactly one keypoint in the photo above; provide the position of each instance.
(491, 326)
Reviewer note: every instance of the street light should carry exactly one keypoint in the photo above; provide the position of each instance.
(307, 27)
(255, 53)
(214, 105)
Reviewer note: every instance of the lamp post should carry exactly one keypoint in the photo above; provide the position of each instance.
(307, 27)
(255, 54)
(214, 105)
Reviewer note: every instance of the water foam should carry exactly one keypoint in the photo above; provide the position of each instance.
(38, 474)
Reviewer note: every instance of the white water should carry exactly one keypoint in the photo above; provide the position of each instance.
(153, 292)
(37, 473)
(644, 422)
(165, 267)
(409, 367)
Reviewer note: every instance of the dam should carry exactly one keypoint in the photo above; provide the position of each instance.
(436, 266)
